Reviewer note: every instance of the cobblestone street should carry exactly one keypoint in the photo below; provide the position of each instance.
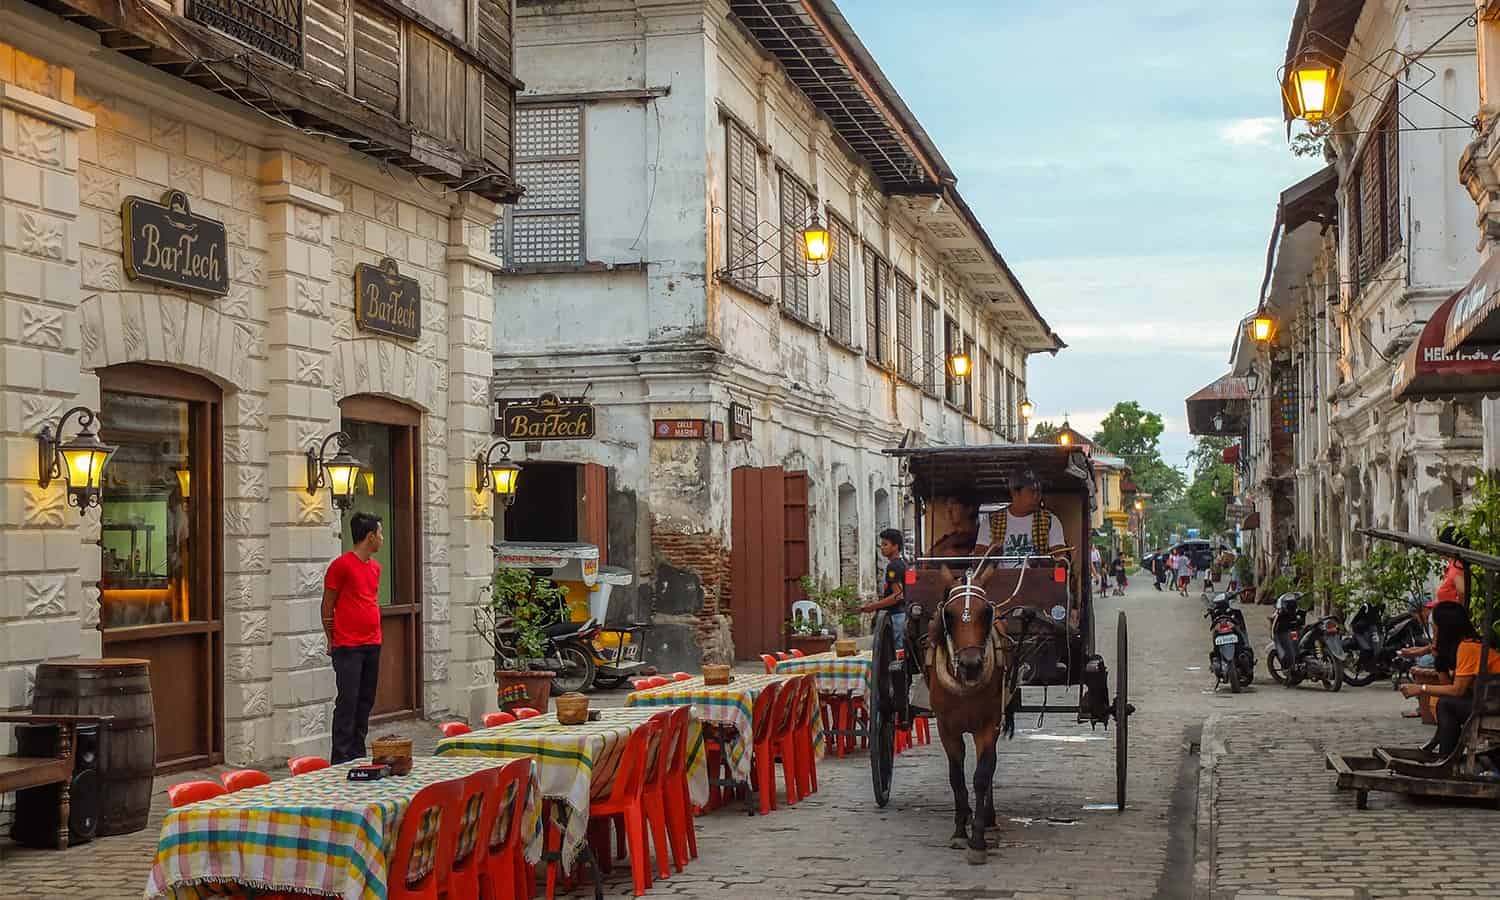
(1059, 835)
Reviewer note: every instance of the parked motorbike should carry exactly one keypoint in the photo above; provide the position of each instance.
(1374, 643)
(1232, 659)
(569, 650)
(1299, 652)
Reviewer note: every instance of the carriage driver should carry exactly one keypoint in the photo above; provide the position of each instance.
(1025, 528)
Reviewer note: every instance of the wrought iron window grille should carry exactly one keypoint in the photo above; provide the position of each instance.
(766, 235)
(273, 27)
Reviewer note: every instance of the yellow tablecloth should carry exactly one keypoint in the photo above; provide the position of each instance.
(731, 704)
(576, 763)
(317, 833)
(836, 674)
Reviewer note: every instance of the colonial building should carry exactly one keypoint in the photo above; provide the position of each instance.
(673, 155)
(190, 193)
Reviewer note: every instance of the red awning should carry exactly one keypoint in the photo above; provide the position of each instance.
(1232, 454)
(1429, 372)
(1251, 522)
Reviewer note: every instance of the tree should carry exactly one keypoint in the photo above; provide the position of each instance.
(1208, 453)
(1044, 432)
(1209, 495)
(1131, 432)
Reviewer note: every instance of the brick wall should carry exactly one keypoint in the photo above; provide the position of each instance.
(704, 555)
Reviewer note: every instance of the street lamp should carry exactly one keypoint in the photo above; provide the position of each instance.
(959, 365)
(1311, 85)
(339, 474)
(1252, 380)
(816, 244)
(500, 474)
(1064, 439)
(1262, 328)
(1219, 422)
(1027, 408)
(79, 461)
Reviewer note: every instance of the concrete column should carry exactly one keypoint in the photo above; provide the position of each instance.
(46, 583)
(304, 531)
(456, 656)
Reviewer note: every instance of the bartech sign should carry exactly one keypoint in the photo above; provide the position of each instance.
(546, 418)
(387, 302)
(167, 244)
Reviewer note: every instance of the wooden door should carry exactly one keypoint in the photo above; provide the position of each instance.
(757, 560)
(390, 430)
(796, 560)
(161, 548)
(594, 509)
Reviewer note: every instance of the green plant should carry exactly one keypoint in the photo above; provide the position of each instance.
(1477, 521)
(529, 603)
(840, 604)
(1242, 571)
(1388, 576)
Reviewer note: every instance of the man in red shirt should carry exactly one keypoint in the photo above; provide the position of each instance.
(351, 621)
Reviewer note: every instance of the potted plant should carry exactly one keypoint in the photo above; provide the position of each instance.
(840, 605)
(805, 635)
(512, 622)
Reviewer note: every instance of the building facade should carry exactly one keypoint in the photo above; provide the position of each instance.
(743, 396)
(181, 241)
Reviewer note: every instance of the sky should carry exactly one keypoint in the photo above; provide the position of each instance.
(1126, 158)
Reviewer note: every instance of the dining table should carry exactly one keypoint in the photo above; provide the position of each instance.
(575, 763)
(317, 833)
(731, 706)
(836, 674)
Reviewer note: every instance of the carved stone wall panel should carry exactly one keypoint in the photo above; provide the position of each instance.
(42, 326)
(46, 595)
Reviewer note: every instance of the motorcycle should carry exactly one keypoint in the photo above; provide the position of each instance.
(568, 651)
(1298, 652)
(1375, 641)
(1232, 658)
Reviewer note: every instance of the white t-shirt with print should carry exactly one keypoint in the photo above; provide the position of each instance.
(1018, 541)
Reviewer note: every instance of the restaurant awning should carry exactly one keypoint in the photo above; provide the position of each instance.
(1475, 320)
(1431, 371)
(1227, 397)
(1251, 522)
(1231, 455)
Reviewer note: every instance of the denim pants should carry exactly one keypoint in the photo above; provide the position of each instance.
(898, 622)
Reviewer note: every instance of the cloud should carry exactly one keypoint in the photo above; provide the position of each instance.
(1242, 132)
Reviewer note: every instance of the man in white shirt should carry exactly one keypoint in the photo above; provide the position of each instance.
(1019, 527)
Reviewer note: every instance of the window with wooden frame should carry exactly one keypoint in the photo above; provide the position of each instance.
(1001, 400)
(742, 219)
(1374, 197)
(931, 362)
(877, 285)
(840, 282)
(982, 370)
(952, 340)
(796, 212)
(968, 383)
(906, 294)
(546, 224)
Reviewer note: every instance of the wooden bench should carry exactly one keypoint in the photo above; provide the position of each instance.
(21, 772)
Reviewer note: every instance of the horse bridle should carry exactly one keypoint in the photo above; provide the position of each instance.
(971, 594)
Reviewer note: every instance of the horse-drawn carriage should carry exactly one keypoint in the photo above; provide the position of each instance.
(981, 628)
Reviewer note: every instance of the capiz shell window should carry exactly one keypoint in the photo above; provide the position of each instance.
(546, 225)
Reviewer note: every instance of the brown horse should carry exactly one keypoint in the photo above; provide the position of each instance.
(968, 677)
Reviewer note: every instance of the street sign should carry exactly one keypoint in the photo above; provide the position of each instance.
(740, 422)
(679, 429)
(387, 302)
(167, 243)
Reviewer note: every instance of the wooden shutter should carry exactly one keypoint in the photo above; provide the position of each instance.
(1391, 144)
(905, 357)
(742, 217)
(796, 559)
(377, 58)
(325, 40)
(757, 559)
(872, 334)
(840, 283)
(594, 512)
(796, 210)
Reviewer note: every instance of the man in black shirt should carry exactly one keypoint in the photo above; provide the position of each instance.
(892, 584)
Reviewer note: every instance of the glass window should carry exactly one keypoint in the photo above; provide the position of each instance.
(371, 444)
(148, 557)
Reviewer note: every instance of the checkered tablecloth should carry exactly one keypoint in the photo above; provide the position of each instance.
(731, 704)
(576, 763)
(835, 674)
(317, 833)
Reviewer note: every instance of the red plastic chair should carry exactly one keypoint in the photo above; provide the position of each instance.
(802, 738)
(526, 712)
(240, 779)
(679, 802)
(498, 718)
(770, 662)
(301, 765)
(681, 676)
(624, 800)
(768, 733)
(796, 724)
(454, 729)
(797, 654)
(782, 654)
(506, 876)
(639, 684)
(193, 791)
(653, 793)
(471, 853)
(443, 800)
(923, 731)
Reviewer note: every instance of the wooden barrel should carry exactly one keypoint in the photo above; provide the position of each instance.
(109, 687)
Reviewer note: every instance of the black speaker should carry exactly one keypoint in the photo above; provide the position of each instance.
(35, 822)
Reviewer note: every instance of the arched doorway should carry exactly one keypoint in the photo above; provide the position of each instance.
(161, 544)
(849, 548)
(385, 435)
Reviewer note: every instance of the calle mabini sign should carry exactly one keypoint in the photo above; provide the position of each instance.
(546, 419)
(387, 302)
(167, 244)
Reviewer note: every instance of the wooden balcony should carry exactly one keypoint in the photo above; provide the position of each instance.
(426, 85)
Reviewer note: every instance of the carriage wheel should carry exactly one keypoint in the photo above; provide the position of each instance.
(1122, 709)
(886, 682)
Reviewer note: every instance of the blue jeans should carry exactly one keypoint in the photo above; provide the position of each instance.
(898, 622)
(1426, 660)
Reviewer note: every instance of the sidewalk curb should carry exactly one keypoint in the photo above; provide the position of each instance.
(1210, 748)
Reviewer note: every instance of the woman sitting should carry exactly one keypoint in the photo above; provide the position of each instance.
(1456, 649)
(1449, 590)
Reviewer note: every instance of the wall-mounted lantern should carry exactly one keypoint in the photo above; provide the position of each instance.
(1027, 408)
(339, 474)
(1311, 85)
(500, 474)
(1252, 380)
(817, 246)
(79, 461)
(1262, 328)
(960, 365)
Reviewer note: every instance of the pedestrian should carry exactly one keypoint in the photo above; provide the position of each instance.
(1158, 569)
(1096, 565)
(1184, 572)
(351, 622)
(1117, 572)
(892, 584)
